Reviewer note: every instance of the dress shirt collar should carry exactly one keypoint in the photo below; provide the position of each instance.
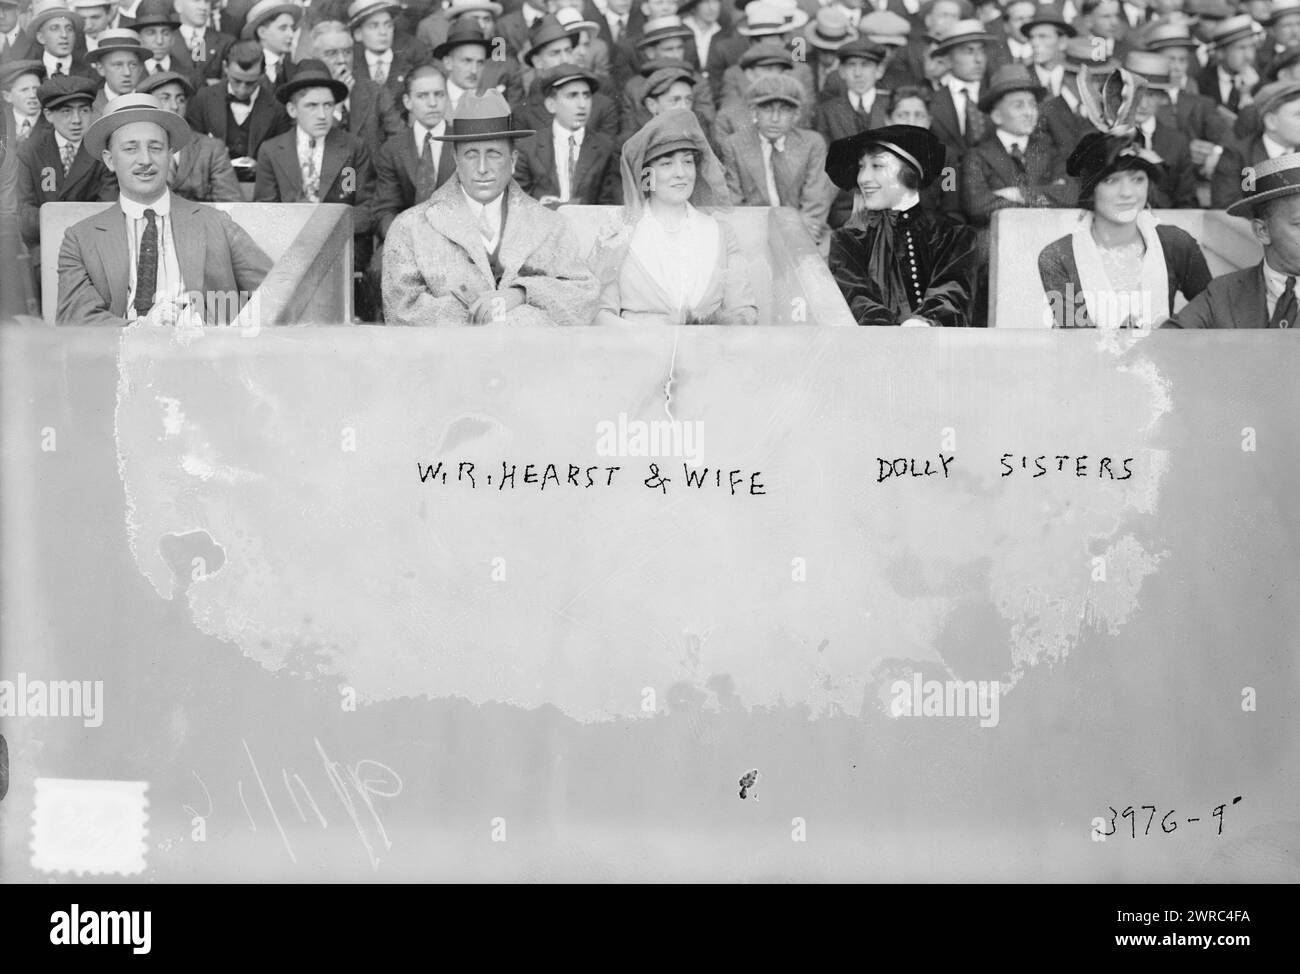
(252, 99)
(768, 144)
(421, 132)
(1274, 284)
(163, 63)
(60, 141)
(134, 209)
(956, 86)
(493, 209)
(373, 59)
(1008, 140)
(304, 143)
(560, 134)
(190, 33)
(52, 62)
(863, 102)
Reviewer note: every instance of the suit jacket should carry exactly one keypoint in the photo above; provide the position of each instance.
(203, 173)
(514, 29)
(799, 173)
(989, 167)
(944, 123)
(408, 53)
(347, 175)
(216, 257)
(373, 115)
(395, 167)
(41, 180)
(1207, 83)
(1236, 300)
(603, 118)
(1199, 117)
(434, 251)
(207, 114)
(836, 119)
(1062, 123)
(724, 51)
(209, 67)
(1225, 184)
(1059, 271)
(1177, 189)
(634, 114)
(596, 178)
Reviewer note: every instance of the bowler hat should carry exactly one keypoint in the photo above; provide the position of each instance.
(482, 118)
(1009, 78)
(310, 73)
(155, 13)
(135, 107)
(463, 34)
(64, 89)
(919, 148)
(545, 30)
(1269, 179)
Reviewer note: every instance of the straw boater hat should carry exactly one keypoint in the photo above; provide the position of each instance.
(119, 39)
(1274, 178)
(562, 74)
(1051, 16)
(135, 108)
(1280, 9)
(1239, 28)
(830, 29)
(1152, 67)
(360, 10)
(458, 7)
(482, 118)
(962, 32)
(152, 82)
(661, 29)
(265, 10)
(155, 13)
(310, 74)
(46, 10)
(917, 147)
(463, 34)
(11, 71)
(1273, 96)
(1081, 55)
(575, 23)
(1009, 78)
(884, 27)
(771, 17)
(1161, 37)
(545, 30)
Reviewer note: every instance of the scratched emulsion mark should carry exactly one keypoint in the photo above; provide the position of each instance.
(297, 458)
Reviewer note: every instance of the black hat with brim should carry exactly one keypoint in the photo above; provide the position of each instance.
(483, 118)
(463, 34)
(918, 147)
(310, 74)
(1099, 155)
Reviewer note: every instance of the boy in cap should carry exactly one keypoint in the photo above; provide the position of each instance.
(1263, 296)
(200, 170)
(664, 85)
(1276, 133)
(21, 108)
(317, 162)
(153, 256)
(774, 163)
(767, 27)
(53, 165)
(1016, 165)
(569, 163)
(481, 250)
(550, 46)
(760, 61)
(241, 111)
(369, 111)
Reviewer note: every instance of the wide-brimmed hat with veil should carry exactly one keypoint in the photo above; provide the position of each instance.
(668, 132)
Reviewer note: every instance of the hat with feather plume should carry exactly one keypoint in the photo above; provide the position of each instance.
(1111, 103)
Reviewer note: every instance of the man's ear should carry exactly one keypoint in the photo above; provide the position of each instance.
(1260, 228)
(107, 158)
(292, 109)
(550, 103)
(99, 67)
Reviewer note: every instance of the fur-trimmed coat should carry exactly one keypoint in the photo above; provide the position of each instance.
(434, 249)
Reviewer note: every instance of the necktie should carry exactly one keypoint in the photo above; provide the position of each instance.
(485, 227)
(864, 120)
(1234, 97)
(773, 190)
(620, 25)
(1285, 313)
(146, 273)
(58, 68)
(310, 177)
(214, 18)
(197, 51)
(379, 73)
(974, 119)
(173, 168)
(573, 162)
(25, 129)
(1018, 156)
(426, 171)
(68, 153)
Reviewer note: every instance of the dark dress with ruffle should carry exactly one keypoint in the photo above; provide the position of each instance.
(892, 265)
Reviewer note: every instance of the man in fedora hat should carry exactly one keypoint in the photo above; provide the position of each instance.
(515, 26)
(20, 107)
(551, 45)
(378, 53)
(1017, 164)
(370, 112)
(204, 45)
(158, 26)
(957, 119)
(481, 250)
(1276, 133)
(899, 263)
(466, 57)
(1047, 32)
(54, 165)
(153, 256)
(1012, 44)
(272, 24)
(200, 170)
(574, 164)
(1263, 296)
(1231, 75)
(775, 163)
(241, 111)
(119, 58)
(827, 34)
(1282, 26)
(318, 162)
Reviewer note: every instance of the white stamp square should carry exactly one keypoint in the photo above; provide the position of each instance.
(86, 826)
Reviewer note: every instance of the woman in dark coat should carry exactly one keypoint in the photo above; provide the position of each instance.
(897, 262)
(1119, 268)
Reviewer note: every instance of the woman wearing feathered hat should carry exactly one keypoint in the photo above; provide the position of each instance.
(896, 261)
(1119, 267)
(671, 261)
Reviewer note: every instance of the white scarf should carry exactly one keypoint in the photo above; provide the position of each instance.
(681, 263)
(1108, 308)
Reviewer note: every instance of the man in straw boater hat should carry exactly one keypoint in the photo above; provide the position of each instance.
(1273, 130)
(119, 58)
(1231, 76)
(272, 24)
(1263, 296)
(152, 256)
(53, 28)
(898, 263)
(481, 250)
